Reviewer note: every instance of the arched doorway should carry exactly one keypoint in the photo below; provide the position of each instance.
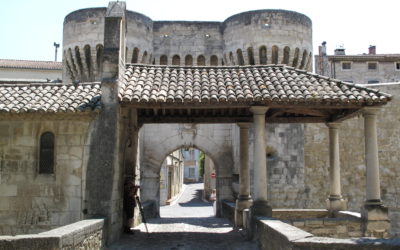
(167, 138)
(187, 180)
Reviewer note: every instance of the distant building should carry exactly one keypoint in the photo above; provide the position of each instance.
(363, 69)
(30, 71)
(171, 178)
(191, 161)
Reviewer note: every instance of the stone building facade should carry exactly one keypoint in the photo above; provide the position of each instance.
(140, 113)
(367, 68)
(192, 173)
(171, 177)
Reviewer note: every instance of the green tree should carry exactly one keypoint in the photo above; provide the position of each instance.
(201, 164)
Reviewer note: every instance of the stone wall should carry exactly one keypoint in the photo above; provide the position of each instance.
(285, 161)
(85, 234)
(31, 202)
(352, 160)
(277, 235)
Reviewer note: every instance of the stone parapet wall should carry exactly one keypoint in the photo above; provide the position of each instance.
(85, 235)
(277, 235)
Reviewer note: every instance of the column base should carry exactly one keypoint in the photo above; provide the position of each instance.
(261, 208)
(374, 210)
(375, 218)
(243, 202)
(336, 203)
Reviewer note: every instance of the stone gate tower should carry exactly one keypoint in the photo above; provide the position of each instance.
(248, 38)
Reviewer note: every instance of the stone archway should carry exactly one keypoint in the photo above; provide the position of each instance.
(158, 140)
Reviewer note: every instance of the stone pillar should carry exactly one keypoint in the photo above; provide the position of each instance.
(260, 205)
(335, 202)
(244, 200)
(374, 214)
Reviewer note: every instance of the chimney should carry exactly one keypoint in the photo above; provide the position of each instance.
(372, 50)
(340, 51)
(322, 49)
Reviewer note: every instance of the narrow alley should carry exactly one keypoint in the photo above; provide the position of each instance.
(188, 224)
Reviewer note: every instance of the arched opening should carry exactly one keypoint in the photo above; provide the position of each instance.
(46, 153)
(79, 62)
(263, 55)
(231, 59)
(250, 55)
(99, 58)
(274, 55)
(187, 182)
(73, 64)
(144, 57)
(201, 60)
(135, 55)
(214, 60)
(188, 60)
(309, 62)
(296, 57)
(69, 67)
(286, 53)
(163, 60)
(176, 60)
(240, 57)
(88, 58)
(303, 59)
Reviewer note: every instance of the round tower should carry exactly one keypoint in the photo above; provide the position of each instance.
(248, 38)
(268, 37)
(83, 39)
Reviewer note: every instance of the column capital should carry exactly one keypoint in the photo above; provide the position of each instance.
(334, 125)
(259, 110)
(370, 111)
(244, 124)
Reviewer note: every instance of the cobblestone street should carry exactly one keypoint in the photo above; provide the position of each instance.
(188, 224)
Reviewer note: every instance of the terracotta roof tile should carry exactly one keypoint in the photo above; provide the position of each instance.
(27, 64)
(49, 98)
(270, 84)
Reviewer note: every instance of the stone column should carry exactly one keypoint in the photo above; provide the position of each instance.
(244, 200)
(335, 202)
(260, 204)
(374, 214)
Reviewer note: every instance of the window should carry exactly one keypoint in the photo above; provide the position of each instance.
(346, 65)
(163, 60)
(373, 81)
(46, 154)
(372, 66)
(191, 173)
(201, 60)
(397, 65)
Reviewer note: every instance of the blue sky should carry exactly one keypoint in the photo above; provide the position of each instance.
(29, 28)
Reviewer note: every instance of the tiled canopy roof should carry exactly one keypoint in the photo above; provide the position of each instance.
(26, 64)
(49, 98)
(267, 84)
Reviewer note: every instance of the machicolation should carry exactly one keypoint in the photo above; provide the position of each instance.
(248, 38)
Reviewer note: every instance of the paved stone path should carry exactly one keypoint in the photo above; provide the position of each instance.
(188, 224)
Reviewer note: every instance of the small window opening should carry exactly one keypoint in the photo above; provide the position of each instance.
(46, 156)
(346, 65)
